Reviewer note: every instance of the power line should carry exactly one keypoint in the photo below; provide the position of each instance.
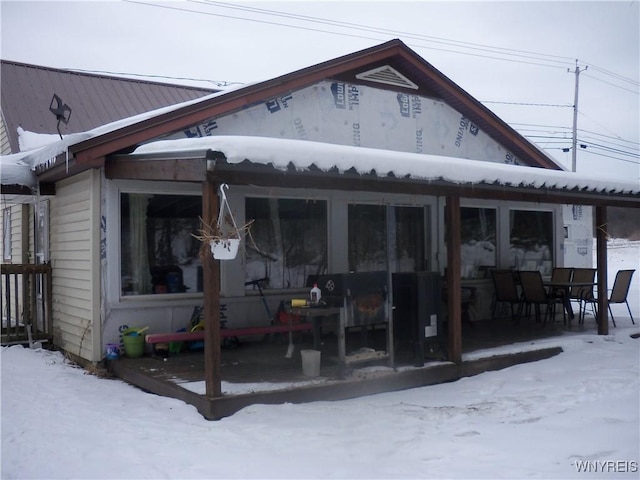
(171, 7)
(372, 30)
(357, 26)
(518, 126)
(537, 125)
(495, 53)
(457, 43)
(616, 137)
(219, 83)
(616, 75)
(610, 149)
(636, 91)
(540, 57)
(633, 162)
(612, 143)
(596, 122)
(526, 104)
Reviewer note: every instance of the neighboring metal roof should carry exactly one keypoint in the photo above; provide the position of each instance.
(27, 90)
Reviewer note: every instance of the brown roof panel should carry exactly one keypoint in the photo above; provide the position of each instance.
(27, 90)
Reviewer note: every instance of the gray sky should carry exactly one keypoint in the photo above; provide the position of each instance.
(516, 53)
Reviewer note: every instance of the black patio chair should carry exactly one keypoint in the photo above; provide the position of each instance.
(562, 275)
(534, 293)
(506, 291)
(582, 294)
(619, 293)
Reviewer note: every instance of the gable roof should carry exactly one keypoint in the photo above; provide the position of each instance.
(27, 92)
(349, 68)
(390, 65)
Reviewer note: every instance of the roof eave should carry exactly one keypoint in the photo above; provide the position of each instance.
(195, 165)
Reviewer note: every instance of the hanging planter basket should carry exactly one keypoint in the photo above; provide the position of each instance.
(223, 238)
(224, 248)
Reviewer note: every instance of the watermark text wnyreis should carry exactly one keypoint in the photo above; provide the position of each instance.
(606, 466)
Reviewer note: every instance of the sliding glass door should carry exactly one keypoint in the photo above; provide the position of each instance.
(385, 237)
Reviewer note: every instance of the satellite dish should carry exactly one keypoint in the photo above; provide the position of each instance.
(61, 110)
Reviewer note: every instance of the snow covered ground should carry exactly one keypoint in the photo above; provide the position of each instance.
(576, 415)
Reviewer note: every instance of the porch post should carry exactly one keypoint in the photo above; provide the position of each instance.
(211, 288)
(27, 285)
(601, 251)
(454, 283)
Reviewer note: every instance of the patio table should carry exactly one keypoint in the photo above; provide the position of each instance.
(317, 315)
(566, 287)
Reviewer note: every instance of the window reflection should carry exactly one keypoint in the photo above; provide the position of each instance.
(289, 240)
(531, 240)
(368, 237)
(410, 243)
(478, 241)
(158, 252)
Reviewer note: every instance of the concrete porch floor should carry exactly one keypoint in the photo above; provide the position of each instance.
(269, 377)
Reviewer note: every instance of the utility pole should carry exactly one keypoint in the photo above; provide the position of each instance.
(575, 117)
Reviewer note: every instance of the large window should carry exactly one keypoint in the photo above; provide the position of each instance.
(287, 242)
(531, 240)
(370, 236)
(478, 241)
(158, 252)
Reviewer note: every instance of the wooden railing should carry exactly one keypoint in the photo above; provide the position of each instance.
(26, 303)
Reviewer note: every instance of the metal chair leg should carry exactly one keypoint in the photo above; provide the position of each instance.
(612, 319)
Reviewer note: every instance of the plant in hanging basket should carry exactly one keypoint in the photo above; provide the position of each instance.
(222, 240)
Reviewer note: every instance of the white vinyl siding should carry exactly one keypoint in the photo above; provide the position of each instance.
(5, 147)
(74, 248)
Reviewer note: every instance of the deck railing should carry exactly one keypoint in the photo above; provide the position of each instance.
(26, 303)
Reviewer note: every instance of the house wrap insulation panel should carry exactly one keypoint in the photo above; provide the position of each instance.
(356, 115)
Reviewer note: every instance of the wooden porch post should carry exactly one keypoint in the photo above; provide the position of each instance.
(211, 288)
(454, 283)
(601, 261)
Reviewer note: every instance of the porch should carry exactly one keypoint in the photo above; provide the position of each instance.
(26, 303)
(258, 371)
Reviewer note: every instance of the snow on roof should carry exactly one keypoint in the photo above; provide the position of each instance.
(302, 154)
(19, 168)
(37, 149)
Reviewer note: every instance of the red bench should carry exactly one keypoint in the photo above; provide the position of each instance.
(227, 332)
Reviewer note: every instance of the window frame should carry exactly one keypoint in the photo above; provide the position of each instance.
(114, 234)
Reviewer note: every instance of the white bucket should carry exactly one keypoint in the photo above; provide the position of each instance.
(310, 362)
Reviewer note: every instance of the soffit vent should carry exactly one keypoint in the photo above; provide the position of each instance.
(388, 76)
